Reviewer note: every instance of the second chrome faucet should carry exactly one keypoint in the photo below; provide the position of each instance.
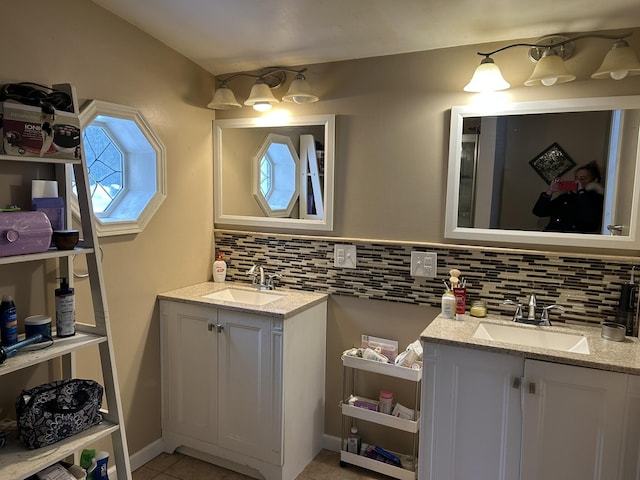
(531, 314)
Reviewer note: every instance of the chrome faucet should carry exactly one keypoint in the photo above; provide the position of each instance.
(258, 277)
(262, 281)
(532, 307)
(531, 319)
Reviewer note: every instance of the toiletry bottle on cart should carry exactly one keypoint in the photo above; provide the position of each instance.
(8, 321)
(353, 441)
(65, 310)
(385, 404)
(219, 269)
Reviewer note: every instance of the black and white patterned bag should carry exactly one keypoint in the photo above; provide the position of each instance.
(57, 410)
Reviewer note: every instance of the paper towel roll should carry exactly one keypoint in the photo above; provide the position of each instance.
(44, 189)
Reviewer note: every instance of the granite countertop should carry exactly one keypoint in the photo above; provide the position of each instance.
(291, 303)
(604, 354)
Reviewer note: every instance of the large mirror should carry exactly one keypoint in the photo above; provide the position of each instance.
(257, 160)
(562, 172)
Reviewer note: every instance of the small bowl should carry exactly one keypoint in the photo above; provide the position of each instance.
(65, 239)
(613, 331)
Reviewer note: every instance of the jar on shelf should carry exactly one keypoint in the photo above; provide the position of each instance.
(386, 402)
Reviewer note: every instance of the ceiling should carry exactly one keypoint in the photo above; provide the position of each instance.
(227, 36)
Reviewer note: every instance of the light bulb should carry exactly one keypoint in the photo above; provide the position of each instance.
(547, 82)
(262, 106)
(619, 74)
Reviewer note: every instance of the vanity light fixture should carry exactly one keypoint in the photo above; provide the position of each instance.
(549, 54)
(261, 98)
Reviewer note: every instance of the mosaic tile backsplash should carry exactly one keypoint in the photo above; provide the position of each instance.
(588, 288)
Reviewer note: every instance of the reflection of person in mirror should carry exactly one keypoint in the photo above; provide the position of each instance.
(573, 206)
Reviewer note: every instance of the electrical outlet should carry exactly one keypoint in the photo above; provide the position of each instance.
(424, 264)
(344, 256)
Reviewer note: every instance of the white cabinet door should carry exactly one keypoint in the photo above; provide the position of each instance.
(250, 400)
(189, 365)
(572, 422)
(631, 442)
(471, 415)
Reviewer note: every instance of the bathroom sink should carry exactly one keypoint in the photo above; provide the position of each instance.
(532, 337)
(248, 297)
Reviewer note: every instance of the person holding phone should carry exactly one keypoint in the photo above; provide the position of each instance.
(573, 206)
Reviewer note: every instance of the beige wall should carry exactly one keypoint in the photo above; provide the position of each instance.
(77, 42)
(392, 131)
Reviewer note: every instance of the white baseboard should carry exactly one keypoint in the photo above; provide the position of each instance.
(151, 451)
(331, 443)
(145, 455)
(139, 458)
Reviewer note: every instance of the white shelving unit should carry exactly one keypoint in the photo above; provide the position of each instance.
(352, 365)
(16, 461)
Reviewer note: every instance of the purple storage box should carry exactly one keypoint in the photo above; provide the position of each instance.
(53, 207)
(24, 232)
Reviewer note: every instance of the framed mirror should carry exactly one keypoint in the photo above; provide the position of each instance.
(258, 159)
(506, 165)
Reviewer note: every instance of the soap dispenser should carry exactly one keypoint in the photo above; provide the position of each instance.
(219, 269)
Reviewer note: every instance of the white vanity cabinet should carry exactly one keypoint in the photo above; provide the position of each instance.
(243, 388)
(471, 418)
(573, 420)
(500, 416)
(631, 438)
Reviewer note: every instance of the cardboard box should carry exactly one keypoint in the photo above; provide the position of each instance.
(28, 131)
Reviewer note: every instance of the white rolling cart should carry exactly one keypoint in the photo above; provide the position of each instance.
(351, 366)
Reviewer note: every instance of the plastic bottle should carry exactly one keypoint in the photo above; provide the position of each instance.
(448, 305)
(219, 269)
(353, 441)
(65, 310)
(101, 459)
(386, 402)
(8, 321)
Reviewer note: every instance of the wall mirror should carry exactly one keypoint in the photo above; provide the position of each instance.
(500, 162)
(257, 160)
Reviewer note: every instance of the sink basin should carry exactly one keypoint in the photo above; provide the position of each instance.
(532, 337)
(248, 297)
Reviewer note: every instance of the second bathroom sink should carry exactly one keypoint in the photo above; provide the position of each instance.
(529, 336)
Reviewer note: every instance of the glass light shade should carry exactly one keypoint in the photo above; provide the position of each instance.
(549, 70)
(261, 98)
(223, 99)
(300, 91)
(487, 78)
(619, 62)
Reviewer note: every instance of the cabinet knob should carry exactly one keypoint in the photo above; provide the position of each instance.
(517, 382)
(532, 388)
(210, 327)
(219, 328)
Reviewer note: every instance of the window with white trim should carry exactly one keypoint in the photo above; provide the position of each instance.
(126, 165)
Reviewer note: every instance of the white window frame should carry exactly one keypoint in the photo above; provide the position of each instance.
(134, 207)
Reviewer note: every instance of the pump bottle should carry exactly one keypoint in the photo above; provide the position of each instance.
(219, 269)
(65, 310)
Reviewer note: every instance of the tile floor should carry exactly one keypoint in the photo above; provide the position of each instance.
(326, 466)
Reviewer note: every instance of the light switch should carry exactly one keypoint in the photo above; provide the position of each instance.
(344, 256)
(424, 264)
